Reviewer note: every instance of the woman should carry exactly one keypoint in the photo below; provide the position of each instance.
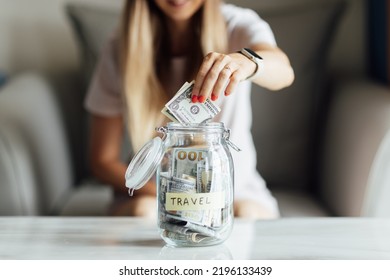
(162, 44)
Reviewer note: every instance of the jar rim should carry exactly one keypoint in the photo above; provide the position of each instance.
(219, 126)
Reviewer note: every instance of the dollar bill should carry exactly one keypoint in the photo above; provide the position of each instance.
(169, 184)
(183, 87)
(166, 111)
(189, 227)
(181, 109)
(175, 185)
(204, 178)
(179, 185)
(189, 178)
(185, 161)
(168, 114)
(204, 230)
(194, 164)
(174, 227)
(196, 217)
(191, 237)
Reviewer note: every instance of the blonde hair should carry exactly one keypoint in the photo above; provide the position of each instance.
(143, 56)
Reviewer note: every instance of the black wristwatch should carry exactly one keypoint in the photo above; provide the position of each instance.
(257, 59)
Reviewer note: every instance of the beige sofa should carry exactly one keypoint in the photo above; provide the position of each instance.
(323, 144)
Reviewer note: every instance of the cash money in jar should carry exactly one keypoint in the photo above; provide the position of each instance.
(193, 204)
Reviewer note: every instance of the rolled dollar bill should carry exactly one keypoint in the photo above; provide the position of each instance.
(204, 177)
(189, 227)
(189, 178)
(192, 237)
(195, 217)
(174, 227)
(202, 230)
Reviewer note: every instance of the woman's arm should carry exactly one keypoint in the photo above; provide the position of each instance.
(277, 72)
(105, 145)
(217, 70)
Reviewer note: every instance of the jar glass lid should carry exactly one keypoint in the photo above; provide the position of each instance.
(144, 164)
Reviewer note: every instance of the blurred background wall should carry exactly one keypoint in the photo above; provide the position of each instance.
(42, 26)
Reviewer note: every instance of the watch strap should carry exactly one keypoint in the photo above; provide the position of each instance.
(254, 57)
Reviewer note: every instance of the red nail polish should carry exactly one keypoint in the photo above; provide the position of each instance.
(202, 99)
(194, 99)
(214, 97)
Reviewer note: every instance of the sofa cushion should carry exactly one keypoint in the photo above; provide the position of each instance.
(92, 24)
(34, 148)
(356, 161)
(18, 187)
(284, 123)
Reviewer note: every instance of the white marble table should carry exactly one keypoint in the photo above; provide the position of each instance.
(133, 238)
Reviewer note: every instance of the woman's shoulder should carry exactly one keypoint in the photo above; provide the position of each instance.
(110, 49)
(235, 15)
(245, 27)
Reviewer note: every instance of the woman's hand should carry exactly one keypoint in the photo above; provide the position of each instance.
(220, 74)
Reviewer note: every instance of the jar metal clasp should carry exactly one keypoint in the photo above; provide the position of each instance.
(163, 130)
(226, 136)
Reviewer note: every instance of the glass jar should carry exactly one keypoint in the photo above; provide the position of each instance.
(195, 182)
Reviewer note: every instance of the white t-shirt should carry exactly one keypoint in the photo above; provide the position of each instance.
(245, 28)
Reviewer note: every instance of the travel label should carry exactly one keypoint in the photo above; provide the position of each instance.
(195, 201)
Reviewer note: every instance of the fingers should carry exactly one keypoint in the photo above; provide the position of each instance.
(207, 63)
(216, 72)
(233, 82)
(221, 82)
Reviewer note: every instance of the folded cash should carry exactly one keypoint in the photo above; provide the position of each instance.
(189, 178)
(195, 217)
(204, 178)
(191, 237)
(185, 160)
(181, 109)
(189, 228)
(177, 185)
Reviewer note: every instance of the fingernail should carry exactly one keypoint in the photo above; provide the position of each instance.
(226, 93)
(194, 99)
(202, 99)
(214, 97)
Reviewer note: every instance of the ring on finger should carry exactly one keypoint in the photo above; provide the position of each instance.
(228, 68)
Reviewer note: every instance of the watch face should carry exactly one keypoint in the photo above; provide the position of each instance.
(253, 53)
